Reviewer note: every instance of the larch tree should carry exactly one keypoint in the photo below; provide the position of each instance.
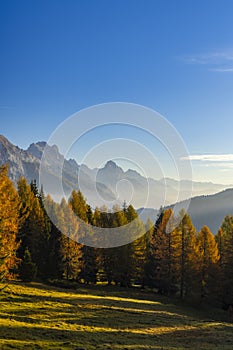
(85, 217)
(9, 221)
(184, 249)
(224, 239)
(71, 250)
(79, 205)
(207, 262)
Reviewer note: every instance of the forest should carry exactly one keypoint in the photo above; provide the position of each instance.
(194, 266)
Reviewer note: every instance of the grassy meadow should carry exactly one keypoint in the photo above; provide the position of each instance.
(37, 316)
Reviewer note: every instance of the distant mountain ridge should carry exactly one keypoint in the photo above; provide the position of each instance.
(27, 163)
(204, 210)
(110, 184)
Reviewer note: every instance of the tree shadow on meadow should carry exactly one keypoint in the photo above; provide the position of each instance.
(95, 318)
(176, 338)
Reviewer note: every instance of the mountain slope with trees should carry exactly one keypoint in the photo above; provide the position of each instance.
(204, 210)
(169, 256)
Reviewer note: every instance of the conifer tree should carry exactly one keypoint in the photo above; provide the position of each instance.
(28, 268)
(33, 231)
(86, 219)
(71, 251)
(228, 266)
(224, 239)
(137, 248)
(184, 253)
(79, 205)
(107, 256)
(149, 261)
(54, 260)
(162, 243)
(121, 262)
(207, 259)
(9, 221)
(90, 216)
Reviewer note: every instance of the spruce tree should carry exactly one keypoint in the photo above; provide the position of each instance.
(34, 232)
(162, 245)
(137, 248)
(149, 261)
(28, 268)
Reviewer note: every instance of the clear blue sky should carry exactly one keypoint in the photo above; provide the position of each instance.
(176, 57)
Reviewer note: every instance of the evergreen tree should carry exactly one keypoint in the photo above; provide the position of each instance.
(90, 216)
(121, 263)
(89, 267)
(54, 259)
(137, 248)
(28, 268)
(162, 243)
(149, 261)
(106, 259)
(33, 233)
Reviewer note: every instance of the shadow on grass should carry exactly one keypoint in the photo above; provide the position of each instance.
(91, 318)
(123, 338)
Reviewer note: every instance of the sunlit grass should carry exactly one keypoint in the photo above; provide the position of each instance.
(35, 316)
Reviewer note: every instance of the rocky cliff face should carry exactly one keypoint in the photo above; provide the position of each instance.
(26, 163)
(20, 162)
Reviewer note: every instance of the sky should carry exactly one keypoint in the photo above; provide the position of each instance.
(175, 57)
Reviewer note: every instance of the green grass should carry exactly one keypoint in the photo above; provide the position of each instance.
(35, 316)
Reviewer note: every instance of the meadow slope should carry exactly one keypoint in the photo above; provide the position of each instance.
(36, 316)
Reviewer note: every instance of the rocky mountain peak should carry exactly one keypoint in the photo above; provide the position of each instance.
(36, 149)
(110, 165)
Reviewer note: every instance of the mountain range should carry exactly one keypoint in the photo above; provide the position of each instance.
(107, 184)
(111, 184)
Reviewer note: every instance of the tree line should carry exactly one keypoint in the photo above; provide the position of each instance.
(171, 257)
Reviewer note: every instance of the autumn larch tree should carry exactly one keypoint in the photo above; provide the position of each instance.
(85, 217)
(184, 252)
(224, 239)
(9, 221)
(207, 262)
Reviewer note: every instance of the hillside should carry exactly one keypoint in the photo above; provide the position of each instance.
(204, 210)
(35, 316)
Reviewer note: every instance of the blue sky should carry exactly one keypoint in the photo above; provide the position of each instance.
(176, 57)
